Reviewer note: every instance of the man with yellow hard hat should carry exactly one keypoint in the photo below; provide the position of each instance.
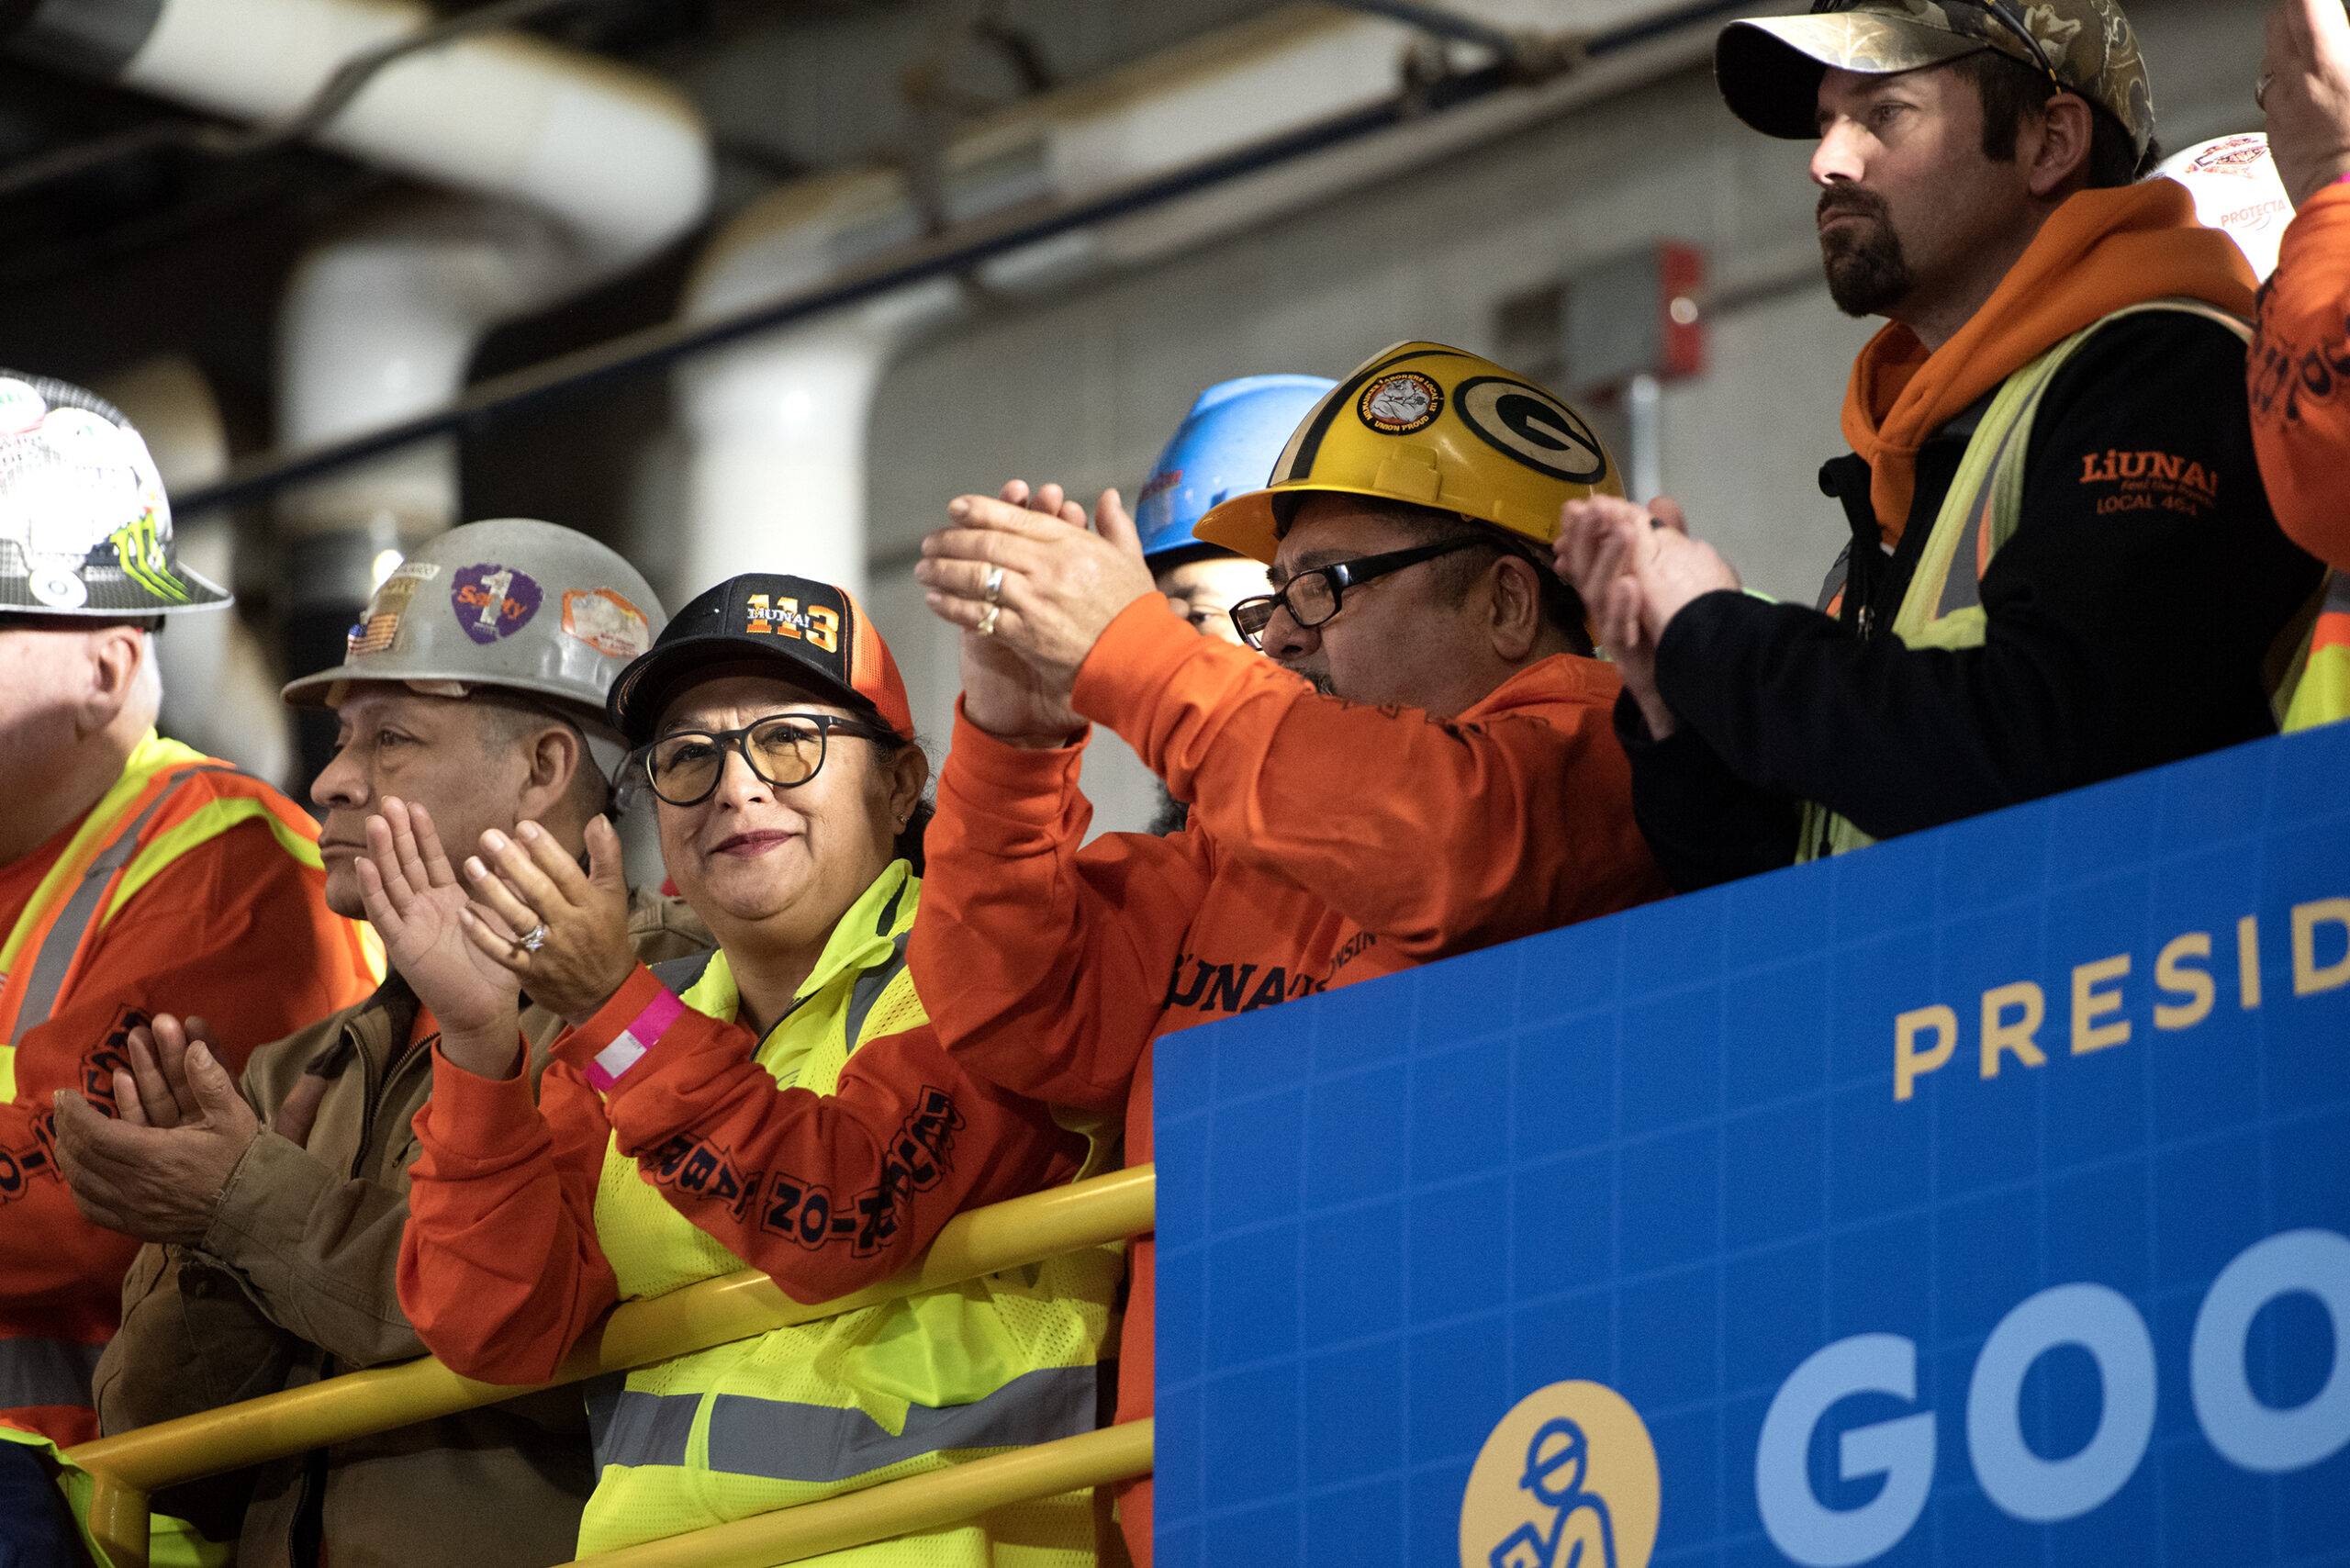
(1443, 777)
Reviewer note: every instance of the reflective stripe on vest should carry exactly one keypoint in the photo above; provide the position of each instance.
(46, 1371)
(818, 1408)
(784, 1441)
(84, 888)
(1943, 607)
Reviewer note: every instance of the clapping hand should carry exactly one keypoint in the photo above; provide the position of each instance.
(1033, 587)
(2305, 90)
(413, 901)
(156, 1170)
(1636, 569)
(528, 885)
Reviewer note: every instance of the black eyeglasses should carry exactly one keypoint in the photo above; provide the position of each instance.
(785, 750)
(1312, 597)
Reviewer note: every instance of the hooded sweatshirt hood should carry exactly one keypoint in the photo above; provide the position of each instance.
(2099, 252)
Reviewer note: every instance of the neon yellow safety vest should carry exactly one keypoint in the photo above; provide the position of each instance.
(1943, 607)
(2324, 695)
(171, 1543)
(884, 1391)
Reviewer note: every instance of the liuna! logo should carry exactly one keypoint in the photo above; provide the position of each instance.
(1567, 1480)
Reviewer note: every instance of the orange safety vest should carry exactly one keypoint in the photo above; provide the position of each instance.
(111, 856)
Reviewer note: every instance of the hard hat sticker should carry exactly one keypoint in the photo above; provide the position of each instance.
(1400, 403)
(1568, 1477)
(375, 631)
(1522, 421)
(1159, 483)
(493, 601)
(21, 408)
(605, 622)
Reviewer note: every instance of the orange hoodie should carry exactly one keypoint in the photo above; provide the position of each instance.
(2099, 252)
(2299, 372)
(1329, 843)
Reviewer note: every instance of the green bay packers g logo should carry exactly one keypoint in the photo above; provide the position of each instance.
(1526, 423)
(1567, 1480)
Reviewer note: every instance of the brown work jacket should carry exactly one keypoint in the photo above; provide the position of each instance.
(295, 1282)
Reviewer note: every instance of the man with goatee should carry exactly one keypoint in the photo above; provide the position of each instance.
(2063, 566)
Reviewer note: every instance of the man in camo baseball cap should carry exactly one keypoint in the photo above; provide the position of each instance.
(1770, 67)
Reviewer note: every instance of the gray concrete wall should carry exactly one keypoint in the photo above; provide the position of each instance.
(1085, 389)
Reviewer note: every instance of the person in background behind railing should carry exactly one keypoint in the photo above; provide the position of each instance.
(780, 1104)
(1377, 794)
(2062, 567)
(1226, 445)
(273, 1218)
(2301, 360)
(135, 874)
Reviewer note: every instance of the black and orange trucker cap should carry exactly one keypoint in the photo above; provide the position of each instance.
(816, 635)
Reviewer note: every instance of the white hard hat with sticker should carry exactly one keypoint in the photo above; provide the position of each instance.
(85, 528)
(2234, 184)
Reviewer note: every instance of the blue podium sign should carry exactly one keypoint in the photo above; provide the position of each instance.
(1979, 1199)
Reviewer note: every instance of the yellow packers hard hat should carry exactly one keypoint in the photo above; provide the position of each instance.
(1436, 427)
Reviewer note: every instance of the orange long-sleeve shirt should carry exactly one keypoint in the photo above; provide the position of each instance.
(2299, 371)
(1329, 842)
(501, 1272)
(235, 931)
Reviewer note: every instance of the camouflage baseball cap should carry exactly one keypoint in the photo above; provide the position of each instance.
(1769, 67)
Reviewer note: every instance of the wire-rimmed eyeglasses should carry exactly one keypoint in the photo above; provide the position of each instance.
(1313, 597)
(785, 750)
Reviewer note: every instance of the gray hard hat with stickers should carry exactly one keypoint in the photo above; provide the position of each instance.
(512, 603)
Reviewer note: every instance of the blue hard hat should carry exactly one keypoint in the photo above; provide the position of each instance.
(1226, 445)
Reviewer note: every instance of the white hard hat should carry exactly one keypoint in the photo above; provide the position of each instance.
(2234, 184)
(85, 526)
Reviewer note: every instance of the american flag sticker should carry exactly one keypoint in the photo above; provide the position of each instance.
(373, 635)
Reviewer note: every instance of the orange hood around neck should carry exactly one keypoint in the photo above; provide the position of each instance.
(2100, 251)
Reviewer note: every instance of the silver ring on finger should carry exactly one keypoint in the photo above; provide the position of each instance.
(994, 591)
(533, 939)
(986, 628)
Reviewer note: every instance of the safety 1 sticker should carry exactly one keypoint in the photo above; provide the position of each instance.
(493, 601)
(605, 622)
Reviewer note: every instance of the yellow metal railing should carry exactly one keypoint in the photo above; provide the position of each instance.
(125, 1469)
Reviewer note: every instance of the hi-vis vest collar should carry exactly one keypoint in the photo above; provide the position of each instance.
(108, 859)
(1943, 607)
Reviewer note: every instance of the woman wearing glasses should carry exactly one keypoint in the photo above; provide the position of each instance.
(781, 1103)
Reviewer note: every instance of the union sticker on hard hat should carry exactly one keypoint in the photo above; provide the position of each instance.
(1400, 403)
(1525, 422)
(606, 623)
(493, 601)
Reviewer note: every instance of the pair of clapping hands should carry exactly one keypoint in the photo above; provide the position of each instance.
(1032, 587)
(526, 917)
(156, 1168)
(1636, 567)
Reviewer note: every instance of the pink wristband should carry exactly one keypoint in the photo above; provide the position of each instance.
(629, 1048)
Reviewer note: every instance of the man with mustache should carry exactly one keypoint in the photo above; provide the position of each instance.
(2063, 566)
(1420, 768)
(273, 1207)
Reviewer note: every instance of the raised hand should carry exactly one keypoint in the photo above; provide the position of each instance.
(413, 899)
(583, 954)
(1062, 584)
(2305, 89)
